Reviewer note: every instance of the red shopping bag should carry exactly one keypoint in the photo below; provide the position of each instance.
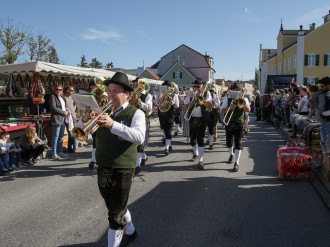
(293, 162)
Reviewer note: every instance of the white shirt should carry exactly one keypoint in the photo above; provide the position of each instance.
(197, 111)
(224, 101)
(147, 105)
(135, 133)
(176, 101)
(305, 107)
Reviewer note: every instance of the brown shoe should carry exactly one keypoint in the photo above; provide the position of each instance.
(194, 157)
(200, 166)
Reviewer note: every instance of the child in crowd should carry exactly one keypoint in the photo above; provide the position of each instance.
(10, 158)
(32, 146)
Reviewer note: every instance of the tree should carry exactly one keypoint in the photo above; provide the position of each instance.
(109, 65)
(52, 55)
(83, 62)
(96, 64)
(12, 40)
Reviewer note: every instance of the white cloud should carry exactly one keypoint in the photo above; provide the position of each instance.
(246, 10)
(248, 16)
(104, 36)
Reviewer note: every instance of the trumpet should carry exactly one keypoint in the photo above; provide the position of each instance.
(197, 100)
(81, 134)
(239, 102)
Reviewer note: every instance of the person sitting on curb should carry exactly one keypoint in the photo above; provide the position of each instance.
(32, 146)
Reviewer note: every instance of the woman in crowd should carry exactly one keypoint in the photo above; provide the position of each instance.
(58, 114)
(31, 145)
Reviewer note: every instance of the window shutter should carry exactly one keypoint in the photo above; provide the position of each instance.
(306, 60)
(173, 75)
(305, 81)
(325, 60)
(181, 75)
(317, 60)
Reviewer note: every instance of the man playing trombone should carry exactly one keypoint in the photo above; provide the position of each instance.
(233, 120)
(198, 114)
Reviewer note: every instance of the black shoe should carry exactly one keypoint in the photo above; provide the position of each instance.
(211, 147)
(194, 157)
(137, 170)
(143, 162)
(167, 151)
(128, 238)
(230, 160)
(91, 165)
(170, 148)
(236, 167)
(214, 139)
(163, 140)
(200, 166)
(71, 150)
(175, 133)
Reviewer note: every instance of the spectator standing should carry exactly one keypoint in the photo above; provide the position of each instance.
(58, 114)
(324, 106)
(70, 104)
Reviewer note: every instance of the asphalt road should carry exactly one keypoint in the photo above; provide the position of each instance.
(57, 203)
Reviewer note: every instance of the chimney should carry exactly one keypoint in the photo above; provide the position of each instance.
(326, 17)
(312, 26)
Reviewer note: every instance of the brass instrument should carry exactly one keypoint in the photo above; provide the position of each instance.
(81, 134)
(198, 100)
(142, 86)
(166, 99)
(99, 93)
(239, 102)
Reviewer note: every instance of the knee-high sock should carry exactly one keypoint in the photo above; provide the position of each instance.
(237, 155)
(144, 156)
(200, 153)
(129, 223)
(138, 159)
(114, 237)
(167, 143)
(176, 127)
(211, 139)
(231, 151)
(188, 139)
(195, 150)
(93, 154)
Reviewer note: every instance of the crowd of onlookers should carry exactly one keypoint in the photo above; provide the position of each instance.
(279, 107)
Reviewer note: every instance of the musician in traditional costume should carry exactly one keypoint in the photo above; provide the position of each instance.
(167, 104)
(198, 109)
(142, 99)
(234, 119)
(213, 120)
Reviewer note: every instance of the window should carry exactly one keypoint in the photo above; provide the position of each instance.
(310, 80)
(326, 59)
(312, 60)
(177, 75)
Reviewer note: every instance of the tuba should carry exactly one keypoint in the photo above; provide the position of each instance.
(166, 99)
(99, 93)
(81, 134)
(142, 86)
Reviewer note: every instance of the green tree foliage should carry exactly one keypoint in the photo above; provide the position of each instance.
(96, 64)
(109, 65)
(83, 62)
(52, 55)
(12, 41)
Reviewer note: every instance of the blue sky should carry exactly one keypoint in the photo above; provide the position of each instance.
(130, 33)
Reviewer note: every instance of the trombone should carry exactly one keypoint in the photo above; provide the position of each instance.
(81, 134)
(199, 100)
(238, 102)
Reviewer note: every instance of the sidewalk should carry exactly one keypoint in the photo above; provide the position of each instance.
(321, 186)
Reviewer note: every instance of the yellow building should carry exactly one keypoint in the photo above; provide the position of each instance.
(301, 55)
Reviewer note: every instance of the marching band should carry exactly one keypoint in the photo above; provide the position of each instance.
(121, 133)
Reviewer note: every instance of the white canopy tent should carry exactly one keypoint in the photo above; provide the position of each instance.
(44, 68)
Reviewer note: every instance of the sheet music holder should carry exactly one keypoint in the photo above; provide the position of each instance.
(84, 101)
